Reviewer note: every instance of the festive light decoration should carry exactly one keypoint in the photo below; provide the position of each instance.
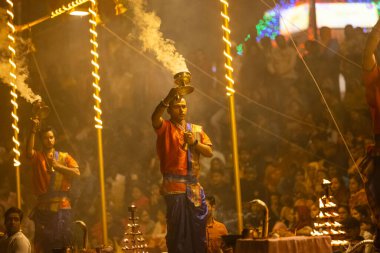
(68, 7)
(230, 94)
(95, 64)
(13, 76)
(325, 223)
(94, 19)
(227, 49)
(269, 25)
(239, 48)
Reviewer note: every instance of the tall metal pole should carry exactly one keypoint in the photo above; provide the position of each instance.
(12, 81)
(63, 9)
(98, 112)
(313, 19)
(230, 94)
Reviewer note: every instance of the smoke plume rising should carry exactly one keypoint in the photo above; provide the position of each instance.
(21, 69)
(148, 24)
(22, 75)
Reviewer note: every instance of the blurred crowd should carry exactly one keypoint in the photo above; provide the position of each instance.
(300, 120)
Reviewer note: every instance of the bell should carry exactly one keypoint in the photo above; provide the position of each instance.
(182, 79)
(40, 110)
(120, 8)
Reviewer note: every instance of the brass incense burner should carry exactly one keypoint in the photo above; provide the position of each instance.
(40, 110)
(182, 79)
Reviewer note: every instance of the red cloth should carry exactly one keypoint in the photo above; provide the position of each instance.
(173, 155)
(296, 244)
(371, 80)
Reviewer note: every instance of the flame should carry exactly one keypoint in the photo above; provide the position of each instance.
(321, 205)
(325, 181)
(339, 242)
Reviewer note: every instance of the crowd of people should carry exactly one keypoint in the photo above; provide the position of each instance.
(300, 120)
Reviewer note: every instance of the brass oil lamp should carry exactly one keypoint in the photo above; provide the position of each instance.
(182, 80)
(40, 110)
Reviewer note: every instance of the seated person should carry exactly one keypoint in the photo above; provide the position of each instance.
(296, 221)
(215, 230)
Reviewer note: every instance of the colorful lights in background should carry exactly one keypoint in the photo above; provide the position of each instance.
(269, 25)
(239, 48)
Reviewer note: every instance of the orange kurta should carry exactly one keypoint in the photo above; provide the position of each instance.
(51, 193)
(173, 155)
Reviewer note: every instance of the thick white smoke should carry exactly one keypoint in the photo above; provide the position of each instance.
(21, 68)
(148, 24)
(22, 76)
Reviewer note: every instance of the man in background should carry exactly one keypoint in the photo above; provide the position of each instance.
(215, 230)
(14, 241)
